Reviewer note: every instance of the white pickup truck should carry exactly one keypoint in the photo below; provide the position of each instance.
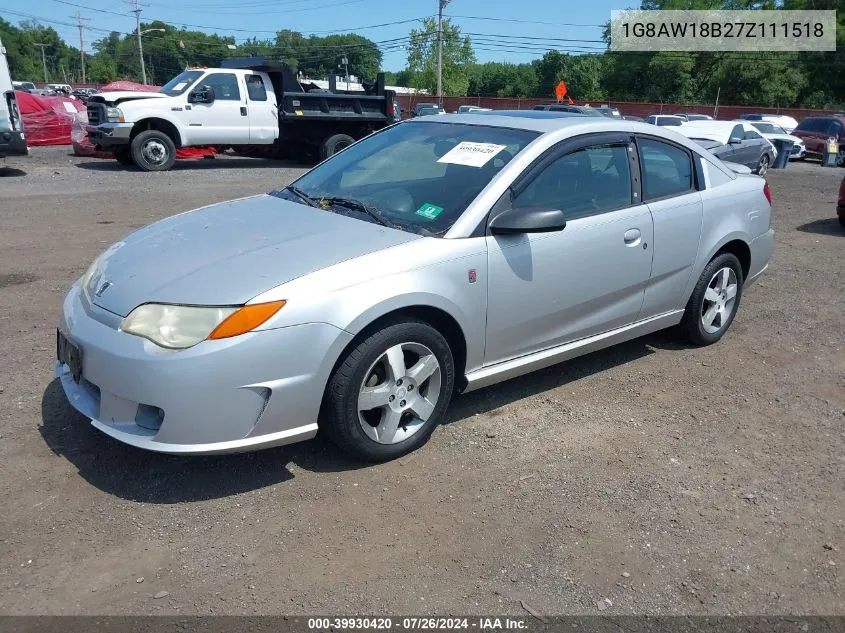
(12, 138)
(244, 103)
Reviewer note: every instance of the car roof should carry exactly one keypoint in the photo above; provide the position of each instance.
(560, 124)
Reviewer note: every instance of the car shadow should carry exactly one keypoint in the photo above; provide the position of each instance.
(227, 162)
(529, 385)
(828, 226)
(11, 172)
(147, 477)
(155, 478)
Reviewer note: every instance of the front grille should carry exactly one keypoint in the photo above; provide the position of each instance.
(96, 113)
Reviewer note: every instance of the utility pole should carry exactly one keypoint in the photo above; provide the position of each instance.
(79, 23)
(43, 60)
(137, 12)
(441, 5)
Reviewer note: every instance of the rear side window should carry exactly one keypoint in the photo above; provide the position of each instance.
(667, 170)
(835, 128)
(751, 135)
(225, 86)
(255, 88)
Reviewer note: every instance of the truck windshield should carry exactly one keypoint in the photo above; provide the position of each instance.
(418, 176)
(181, 82)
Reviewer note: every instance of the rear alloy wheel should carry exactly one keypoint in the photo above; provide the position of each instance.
(714, 301)
(763, 166)
(390, 392)
(153, 150)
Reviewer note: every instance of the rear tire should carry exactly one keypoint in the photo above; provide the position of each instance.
(334, 144)
(763, 165)
(714, 301)
(153, 150)
(389, 392)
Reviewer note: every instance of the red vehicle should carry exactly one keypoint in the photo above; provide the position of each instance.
(840, 208)
(815, 131)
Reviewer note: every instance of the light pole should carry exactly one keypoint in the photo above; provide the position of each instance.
(141, 47)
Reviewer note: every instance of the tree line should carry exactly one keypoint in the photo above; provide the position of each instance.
(812, 80)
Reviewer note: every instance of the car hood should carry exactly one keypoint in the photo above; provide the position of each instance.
(226, 254)
(122, 96)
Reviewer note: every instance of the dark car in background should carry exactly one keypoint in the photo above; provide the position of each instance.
(423, 109)
(815, 131)
(573, 109)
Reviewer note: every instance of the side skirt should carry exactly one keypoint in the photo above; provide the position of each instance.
(506, 370)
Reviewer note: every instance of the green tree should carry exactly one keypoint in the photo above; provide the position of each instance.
(458, 57)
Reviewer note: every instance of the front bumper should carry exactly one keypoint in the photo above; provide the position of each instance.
(798, 152)
(13, 143)
(109, 135)
(253, 391)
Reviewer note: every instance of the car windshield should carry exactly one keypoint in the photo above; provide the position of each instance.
(419, 176)
(181, 82)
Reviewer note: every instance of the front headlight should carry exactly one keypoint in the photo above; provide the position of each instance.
(86, 278)
(114, 115)
(179, 327)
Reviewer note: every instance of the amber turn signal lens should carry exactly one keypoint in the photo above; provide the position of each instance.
(246, 319)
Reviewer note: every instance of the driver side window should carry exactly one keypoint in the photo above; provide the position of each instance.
(585, 182)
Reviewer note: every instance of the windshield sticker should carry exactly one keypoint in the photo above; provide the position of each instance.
(471, 154)
(180, 85)
(429, 211)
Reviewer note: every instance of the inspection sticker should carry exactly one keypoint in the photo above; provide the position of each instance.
(429, 210)
(471, 154)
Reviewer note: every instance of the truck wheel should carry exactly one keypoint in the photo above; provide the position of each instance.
(334, 144)
(124, 157)
(153, 150)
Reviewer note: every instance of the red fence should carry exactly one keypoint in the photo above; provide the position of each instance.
(726, 112)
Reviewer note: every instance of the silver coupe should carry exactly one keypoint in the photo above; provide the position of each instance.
(439, 255)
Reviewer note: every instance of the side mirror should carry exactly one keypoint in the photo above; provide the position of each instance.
(528, 220)
(734, 140)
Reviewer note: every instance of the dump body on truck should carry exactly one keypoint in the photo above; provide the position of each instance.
(247, 104)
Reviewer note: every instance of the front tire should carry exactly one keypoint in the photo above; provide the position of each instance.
(715, 300)
(153, 150)
(390, 391)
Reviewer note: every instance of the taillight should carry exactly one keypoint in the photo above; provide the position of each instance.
(389, 108)
(768, 193)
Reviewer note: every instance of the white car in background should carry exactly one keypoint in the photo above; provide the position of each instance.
(786, 122)
(774, 132)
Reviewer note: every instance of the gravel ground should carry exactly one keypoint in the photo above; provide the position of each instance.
(649, 478)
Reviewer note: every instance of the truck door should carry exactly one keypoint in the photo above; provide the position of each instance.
(224, 119)
(261, 109)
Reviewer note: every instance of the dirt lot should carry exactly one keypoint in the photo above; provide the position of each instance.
(649, 478)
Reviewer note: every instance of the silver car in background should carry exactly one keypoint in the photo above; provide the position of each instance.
(439, 255)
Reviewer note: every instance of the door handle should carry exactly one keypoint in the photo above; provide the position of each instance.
(243, 111)
(632, 237)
